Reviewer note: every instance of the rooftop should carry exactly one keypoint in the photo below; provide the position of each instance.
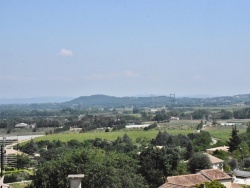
(214, 159)
(215, 174)
(190, 180)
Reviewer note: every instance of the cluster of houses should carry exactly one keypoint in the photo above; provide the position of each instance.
(234, 180)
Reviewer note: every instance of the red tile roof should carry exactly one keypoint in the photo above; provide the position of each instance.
(186, 180)
(214, 159)
(190, 180)
(215, 174)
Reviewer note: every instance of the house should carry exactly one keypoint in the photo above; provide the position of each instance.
(216, 162)
(218, 175)
(136, 126)
(211, 150)
(191, 180)
(231, 123)
(25, 125)
(183, 181)
(174, 118)
(241, 177)
(22, 125)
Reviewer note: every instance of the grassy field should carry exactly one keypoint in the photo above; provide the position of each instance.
(133, 134)
(19, 185)
(222, 133)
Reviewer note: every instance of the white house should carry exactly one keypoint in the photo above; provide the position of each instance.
(22, 125)
(216, 162)
(175, 118)
(136, 126)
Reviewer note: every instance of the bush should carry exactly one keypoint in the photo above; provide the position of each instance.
(16, 176)
(151, 126)
(211, 184)
(198, 161)
(247, 162)
(233, 163)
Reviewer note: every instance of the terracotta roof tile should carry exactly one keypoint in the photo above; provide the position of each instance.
(187, 180)
(215, 174)
(170, 185)
(214, 159)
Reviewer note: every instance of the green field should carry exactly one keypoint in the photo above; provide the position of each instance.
(19, 185)
(133, 134)
(222, 133)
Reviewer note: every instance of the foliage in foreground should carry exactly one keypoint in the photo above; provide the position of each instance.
(198, 161)
(101, 169)
(156, 164)
(212, 184)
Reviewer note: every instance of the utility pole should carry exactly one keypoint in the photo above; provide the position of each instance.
(242, 160)
(2, 160)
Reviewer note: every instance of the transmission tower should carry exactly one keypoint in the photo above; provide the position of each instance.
(172, 99)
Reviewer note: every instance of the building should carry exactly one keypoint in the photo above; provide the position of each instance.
(191, 180)
(241, 177)
(136, 126)
(174, 118)
(22, 125)
(211, 150)
(216, 162)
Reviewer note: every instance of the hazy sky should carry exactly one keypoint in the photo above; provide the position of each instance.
(122, 48)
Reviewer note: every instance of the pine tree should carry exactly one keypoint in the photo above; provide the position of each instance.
(235, 140)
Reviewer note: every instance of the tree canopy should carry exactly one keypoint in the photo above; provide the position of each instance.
(198, 161)
(235, 140)
(101, 169)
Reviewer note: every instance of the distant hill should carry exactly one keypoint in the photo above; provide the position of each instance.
(104, 101)
(36, 100)
(111, 101)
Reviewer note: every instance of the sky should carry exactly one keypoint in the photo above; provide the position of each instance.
(75, 48)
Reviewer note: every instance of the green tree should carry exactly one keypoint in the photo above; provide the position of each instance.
(232, 163)
(30, 148)
(201, 141)
(161, 139)
(200, 126)
(136, 110)
(198, 161)
(101, 169)
(23, 161)
(235, 140)
(248, 127)
(189, 150)
(221, 154)
(156, 164)
(225, 114)
(161, 115)
(211, 184)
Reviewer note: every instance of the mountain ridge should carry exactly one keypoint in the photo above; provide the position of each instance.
(101, 100)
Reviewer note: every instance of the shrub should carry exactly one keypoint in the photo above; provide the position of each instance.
(247, 162)
(233, 163)
(16, 176)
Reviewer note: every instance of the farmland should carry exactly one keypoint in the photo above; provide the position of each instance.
(221, 133)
